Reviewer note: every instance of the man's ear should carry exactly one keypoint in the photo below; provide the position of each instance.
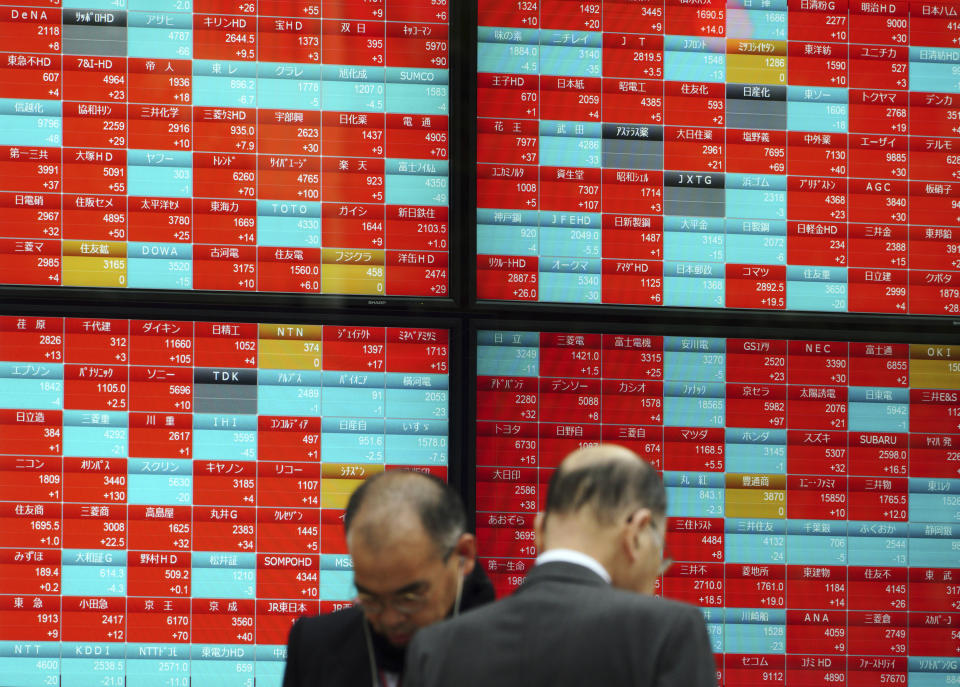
(632, 532)
(466, 549)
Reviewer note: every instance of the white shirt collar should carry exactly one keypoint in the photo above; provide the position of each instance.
(575, 557)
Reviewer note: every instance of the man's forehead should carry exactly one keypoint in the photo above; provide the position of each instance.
(380, 530)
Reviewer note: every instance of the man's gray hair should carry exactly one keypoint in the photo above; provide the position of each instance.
(437, 505)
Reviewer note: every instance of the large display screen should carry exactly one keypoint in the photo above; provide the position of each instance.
(172, 493)
(239, 145)
(774, 154)
(813, 487)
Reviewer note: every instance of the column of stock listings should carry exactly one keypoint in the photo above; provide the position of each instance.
(241, 145)
(813, 487)
(172, 492)
(776, 154)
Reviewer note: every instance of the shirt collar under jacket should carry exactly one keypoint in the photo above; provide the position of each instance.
(575, 557)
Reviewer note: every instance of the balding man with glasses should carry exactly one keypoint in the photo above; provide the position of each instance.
(413, 564)
(578, 618)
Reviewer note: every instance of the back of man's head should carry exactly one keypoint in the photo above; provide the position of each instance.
(609, 481)
(393, 496)
(611, 504)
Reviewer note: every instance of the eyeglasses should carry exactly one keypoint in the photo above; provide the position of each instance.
(404, 603)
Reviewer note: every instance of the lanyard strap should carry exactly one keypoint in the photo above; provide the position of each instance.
(372, 659)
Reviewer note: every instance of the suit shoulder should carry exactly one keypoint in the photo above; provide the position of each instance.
(648, 607)
(331, 626)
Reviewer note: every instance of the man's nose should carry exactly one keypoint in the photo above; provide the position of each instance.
(390, 617)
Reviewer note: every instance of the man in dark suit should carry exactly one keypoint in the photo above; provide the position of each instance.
(577, 619)
(413, 564)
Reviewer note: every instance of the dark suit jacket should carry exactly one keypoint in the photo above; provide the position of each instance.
(566, 626)
(330, 650)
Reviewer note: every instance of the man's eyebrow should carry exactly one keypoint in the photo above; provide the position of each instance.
(412, 587)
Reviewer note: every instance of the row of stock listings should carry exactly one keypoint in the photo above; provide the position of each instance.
(776, 154)
(813, 487)
(172, 492)
(242, 145)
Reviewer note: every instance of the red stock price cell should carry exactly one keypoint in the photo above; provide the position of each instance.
(507, 95)
(227, 483)
(755, 586)
(231, 130)
(693, 448)
(288, 438)
(34, 433)
(816, 632)
(151, 573)
(156, 435)
(224, 37)
(756, 152)
(31, 30)
(694, 104)
(632, 191)
(644, 441)
(875, 453)
(506, 534)
(633, 281)
(632, 100)
(821, 586)
(31, 478)
(418, 350)
(30, 571)
(224, 528)
(218, 620)
(160, 528)
(756, 405)
(818, 407)
(95, 79)
(288, 40)
(95, 480)
(225, 344)
(216, 266)
(506, 444)
(35, 618)
(353, 43)
(507, 489)
(288, 576)
(704, 19)
(288, 530)
(632, 402)
(274, 618)
(814, 496)
(697, 539)
(752, 668)
(699, 149)
(31, 76)
(331, 531)
(557, 440)
(281, 483)
(629, 238)
(576, 98)
(756, 286)
(160, 389)
(508, 141)
(508, 277)
(701, 584)
(877, 634)
(94, 527)
(158, 619)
